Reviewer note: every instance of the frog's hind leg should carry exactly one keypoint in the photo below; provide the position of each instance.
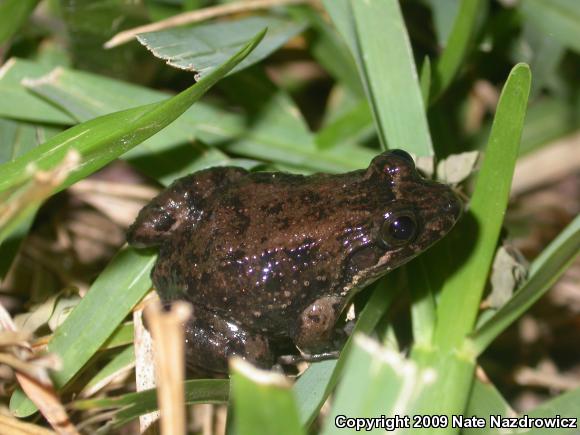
(181, 202)
(212, 340)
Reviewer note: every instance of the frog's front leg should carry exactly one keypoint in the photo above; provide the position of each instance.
(316, 335)
(181, 202)
(211, 340)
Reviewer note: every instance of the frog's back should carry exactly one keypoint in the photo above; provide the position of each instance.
(267, 246)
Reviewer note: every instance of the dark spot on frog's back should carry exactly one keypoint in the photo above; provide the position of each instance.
(273, 208)
(282, 223)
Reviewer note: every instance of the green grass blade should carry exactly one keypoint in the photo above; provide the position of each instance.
(262, 400)
(557, 18)
(13, 14)
(544, 56)
(462, 292)
(347, 128)
(17, 103)
(458, 44)
(377, 381)
(423, 308)
(122, 336)
(443, 13)
(278, 132)
(544, 272)
(121, 285)
(425, 80)
(330, 51)
(20, 201)
(132, 405)
(204, 47)
(10, 247)
(16, 138)
(486, 400)
(566, 405)
(341, 14)
(272, 132)
(103, 139)
(388, 69)
(314, 386)
(120, 363)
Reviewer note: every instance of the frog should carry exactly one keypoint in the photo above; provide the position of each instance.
(271, 260)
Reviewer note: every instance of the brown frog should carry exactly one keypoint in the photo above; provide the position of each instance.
(270, 260)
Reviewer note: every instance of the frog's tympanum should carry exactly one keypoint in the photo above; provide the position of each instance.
(270, 260)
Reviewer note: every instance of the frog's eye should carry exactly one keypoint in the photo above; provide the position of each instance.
(399, 228)
(404, 155)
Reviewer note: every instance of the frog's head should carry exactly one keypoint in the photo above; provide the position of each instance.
(410, 214)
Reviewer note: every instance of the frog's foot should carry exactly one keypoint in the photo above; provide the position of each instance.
(212, 340)
(316, 335)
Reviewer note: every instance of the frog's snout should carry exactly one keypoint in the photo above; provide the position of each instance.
(441, 209)
(453, 205)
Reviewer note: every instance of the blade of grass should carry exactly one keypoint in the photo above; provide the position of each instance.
(425, 80)
(122, 336)
(132, 405)
(558, 18)
(19, 202)
(17, 103)
(377, 381)
(450, 355)
(204, 47)
(13, 14)
(347, 128)
(389, 72)
(458, 44)
(277, 130)
(460, 297)
(544, 272)
(544, 54)
(102, 139)
(486, 400)
(377, 29)
(120, 363)
(315, 385)
(443, 13)
(262, 400)
(289, 142)
(16, 138)
(423, 308)
(566, 405)
(120, 286)
(330, 51)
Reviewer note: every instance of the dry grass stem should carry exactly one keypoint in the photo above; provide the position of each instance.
(48, 403)
(12, 426)
(543, 378)
(547, 165)
(40, 391)
(144, 365)
(169, 350)
(111, 188)
(197, 16)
